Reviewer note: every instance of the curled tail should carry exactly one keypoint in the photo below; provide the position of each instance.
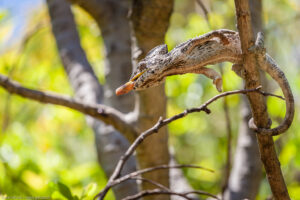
(275, 72)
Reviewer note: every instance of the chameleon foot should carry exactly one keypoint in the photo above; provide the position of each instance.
(212, 74)
(219, 84)
(239, 70)
(253, 126)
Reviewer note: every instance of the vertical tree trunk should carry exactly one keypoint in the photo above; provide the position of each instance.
(110, 144)
(246, 173)
(149, 21)
(257, 102)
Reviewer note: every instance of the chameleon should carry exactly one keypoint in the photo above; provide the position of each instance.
(194, 55)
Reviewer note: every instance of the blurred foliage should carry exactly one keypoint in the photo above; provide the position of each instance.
(43, 148)
(49, 150)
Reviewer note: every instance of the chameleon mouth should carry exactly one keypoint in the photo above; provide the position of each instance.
(127, 87)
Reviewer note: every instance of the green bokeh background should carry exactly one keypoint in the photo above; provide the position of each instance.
(48, 150)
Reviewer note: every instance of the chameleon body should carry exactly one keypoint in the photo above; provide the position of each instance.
(193, 55)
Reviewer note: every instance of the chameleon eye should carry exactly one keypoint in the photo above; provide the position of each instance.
(138, 75)
(142, 66)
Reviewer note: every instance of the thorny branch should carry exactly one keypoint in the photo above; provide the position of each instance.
(160, 123)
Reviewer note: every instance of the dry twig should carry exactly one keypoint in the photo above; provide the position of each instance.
(160, 123)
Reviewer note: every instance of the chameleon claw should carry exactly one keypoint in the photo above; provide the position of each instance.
(127, 87)
(219, 84)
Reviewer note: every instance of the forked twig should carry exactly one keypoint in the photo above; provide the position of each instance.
(114, 179)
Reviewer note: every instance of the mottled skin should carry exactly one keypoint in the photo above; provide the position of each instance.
(193, 55)
(189, 57)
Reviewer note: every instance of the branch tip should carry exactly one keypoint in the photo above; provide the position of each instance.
(206, 110)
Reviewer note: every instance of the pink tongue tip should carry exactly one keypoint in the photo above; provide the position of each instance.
(127, 87)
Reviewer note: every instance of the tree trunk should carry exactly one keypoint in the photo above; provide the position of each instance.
(246, 173)
(149, 21)
(258, 105)
(110, 144)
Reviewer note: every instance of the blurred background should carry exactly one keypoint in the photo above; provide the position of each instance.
(42, 146)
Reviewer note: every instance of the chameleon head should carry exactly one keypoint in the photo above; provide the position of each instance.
(148, 72)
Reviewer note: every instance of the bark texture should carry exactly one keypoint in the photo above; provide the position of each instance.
(151, 104)
(110, 144)
(149, 22)
(257, 103)
(246, 172)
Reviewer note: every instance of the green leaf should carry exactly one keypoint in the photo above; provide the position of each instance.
(64, 190)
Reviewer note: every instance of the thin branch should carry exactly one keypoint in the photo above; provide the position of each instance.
(106, 114)
(165, 192)
(199, 192)
(164, 188)
(155, 129)
(142, 171)
(204, 9)
(182, 194)
(274, 95)
(152, 182)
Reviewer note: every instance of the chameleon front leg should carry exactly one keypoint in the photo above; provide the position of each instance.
(212, 74)
(206, 37)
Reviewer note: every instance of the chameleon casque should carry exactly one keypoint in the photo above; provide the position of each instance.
(193, 55)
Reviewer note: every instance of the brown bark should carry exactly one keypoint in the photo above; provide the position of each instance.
(110, 144)
(149, 21)
(103, 12)
(246, 172)
(257, 103)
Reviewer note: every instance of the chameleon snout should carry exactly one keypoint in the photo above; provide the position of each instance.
(127, 87)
